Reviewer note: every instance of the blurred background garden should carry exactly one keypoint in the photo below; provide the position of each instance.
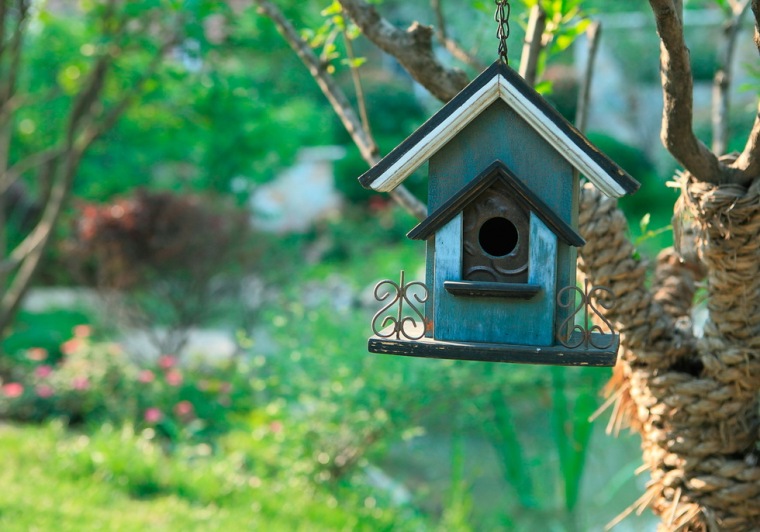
(190, 350)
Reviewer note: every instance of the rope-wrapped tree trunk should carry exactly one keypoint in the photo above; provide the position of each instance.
(693, 400)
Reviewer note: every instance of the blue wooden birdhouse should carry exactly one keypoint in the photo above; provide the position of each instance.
(501, 234)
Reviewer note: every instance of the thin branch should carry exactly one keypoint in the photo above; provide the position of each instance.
(756, 12)
(534, 43)
(748, 163)
(724, 77)
(361, 101)
(12, 297)
(412, 48)
(10, 176)
(594, 34)
(677, 86)
(338, 100)
(326, 83)
(109, 118)
(8, 89)
(450, 44)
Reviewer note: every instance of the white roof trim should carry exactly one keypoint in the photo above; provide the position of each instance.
(497, 87)
(557, 138)
(433, 141)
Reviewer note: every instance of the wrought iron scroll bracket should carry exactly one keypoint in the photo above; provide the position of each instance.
(401, 295)
(590, 297)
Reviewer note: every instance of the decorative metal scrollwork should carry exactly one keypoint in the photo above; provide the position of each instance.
(566, 298)
(401, 293)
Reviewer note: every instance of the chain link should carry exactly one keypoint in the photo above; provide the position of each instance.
(503, 9)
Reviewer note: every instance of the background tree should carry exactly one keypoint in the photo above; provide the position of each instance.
(694, 400)
(83, 100)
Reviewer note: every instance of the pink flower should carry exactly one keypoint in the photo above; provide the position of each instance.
(80, 383)
(44, 391)
(146, 376)
(153, 415)
(82, 331)
(43, 372)
(13, 389)
(184, 409)
(276, 426)
(167, 361)
(173, 377)
(38, 354)
(225, 387)
(70, 346)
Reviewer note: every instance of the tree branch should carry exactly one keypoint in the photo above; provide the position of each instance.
(35, 243)
(748, 163)
(339, 102)
(594, 34)
(412, 48)
(534, 43)
(677, 86)
(723, 77)
(756, 12)
(450, 44)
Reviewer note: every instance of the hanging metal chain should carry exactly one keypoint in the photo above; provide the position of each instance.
(503, 9)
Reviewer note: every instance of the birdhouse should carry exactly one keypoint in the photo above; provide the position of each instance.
(501, 234)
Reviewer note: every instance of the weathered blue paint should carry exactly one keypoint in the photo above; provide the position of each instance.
(499, 133)
(495, 320)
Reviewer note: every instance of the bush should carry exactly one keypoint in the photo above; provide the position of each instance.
(167, 257)
(94, 382)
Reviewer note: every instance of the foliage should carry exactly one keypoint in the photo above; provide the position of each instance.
(94, 382)
(165, 253)
(122, 479)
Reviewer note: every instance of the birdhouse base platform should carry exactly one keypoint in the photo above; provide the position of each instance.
(557, 355)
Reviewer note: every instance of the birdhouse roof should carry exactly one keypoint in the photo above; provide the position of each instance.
(499, 81)
(522, 194)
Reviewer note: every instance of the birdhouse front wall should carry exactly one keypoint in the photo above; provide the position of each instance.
(495, 319)
(499, 133)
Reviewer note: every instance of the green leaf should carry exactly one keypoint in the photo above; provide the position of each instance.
(355, 62)
(544, 87)
(644, 223)
(333, 9)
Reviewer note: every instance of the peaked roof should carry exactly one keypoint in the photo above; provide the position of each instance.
(499, 81)
(497, 171)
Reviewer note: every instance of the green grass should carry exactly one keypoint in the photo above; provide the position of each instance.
(53, 479)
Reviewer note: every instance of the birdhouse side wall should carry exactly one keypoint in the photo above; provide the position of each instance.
(495, 319)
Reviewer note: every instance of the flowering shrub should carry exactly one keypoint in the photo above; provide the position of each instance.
(162, 258)
(95, 381)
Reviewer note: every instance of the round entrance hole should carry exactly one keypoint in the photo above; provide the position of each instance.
(498, 237)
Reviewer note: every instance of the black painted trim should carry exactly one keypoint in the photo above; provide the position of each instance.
(486, 289)
(628, 183)
(522, 194)
(488, 352)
